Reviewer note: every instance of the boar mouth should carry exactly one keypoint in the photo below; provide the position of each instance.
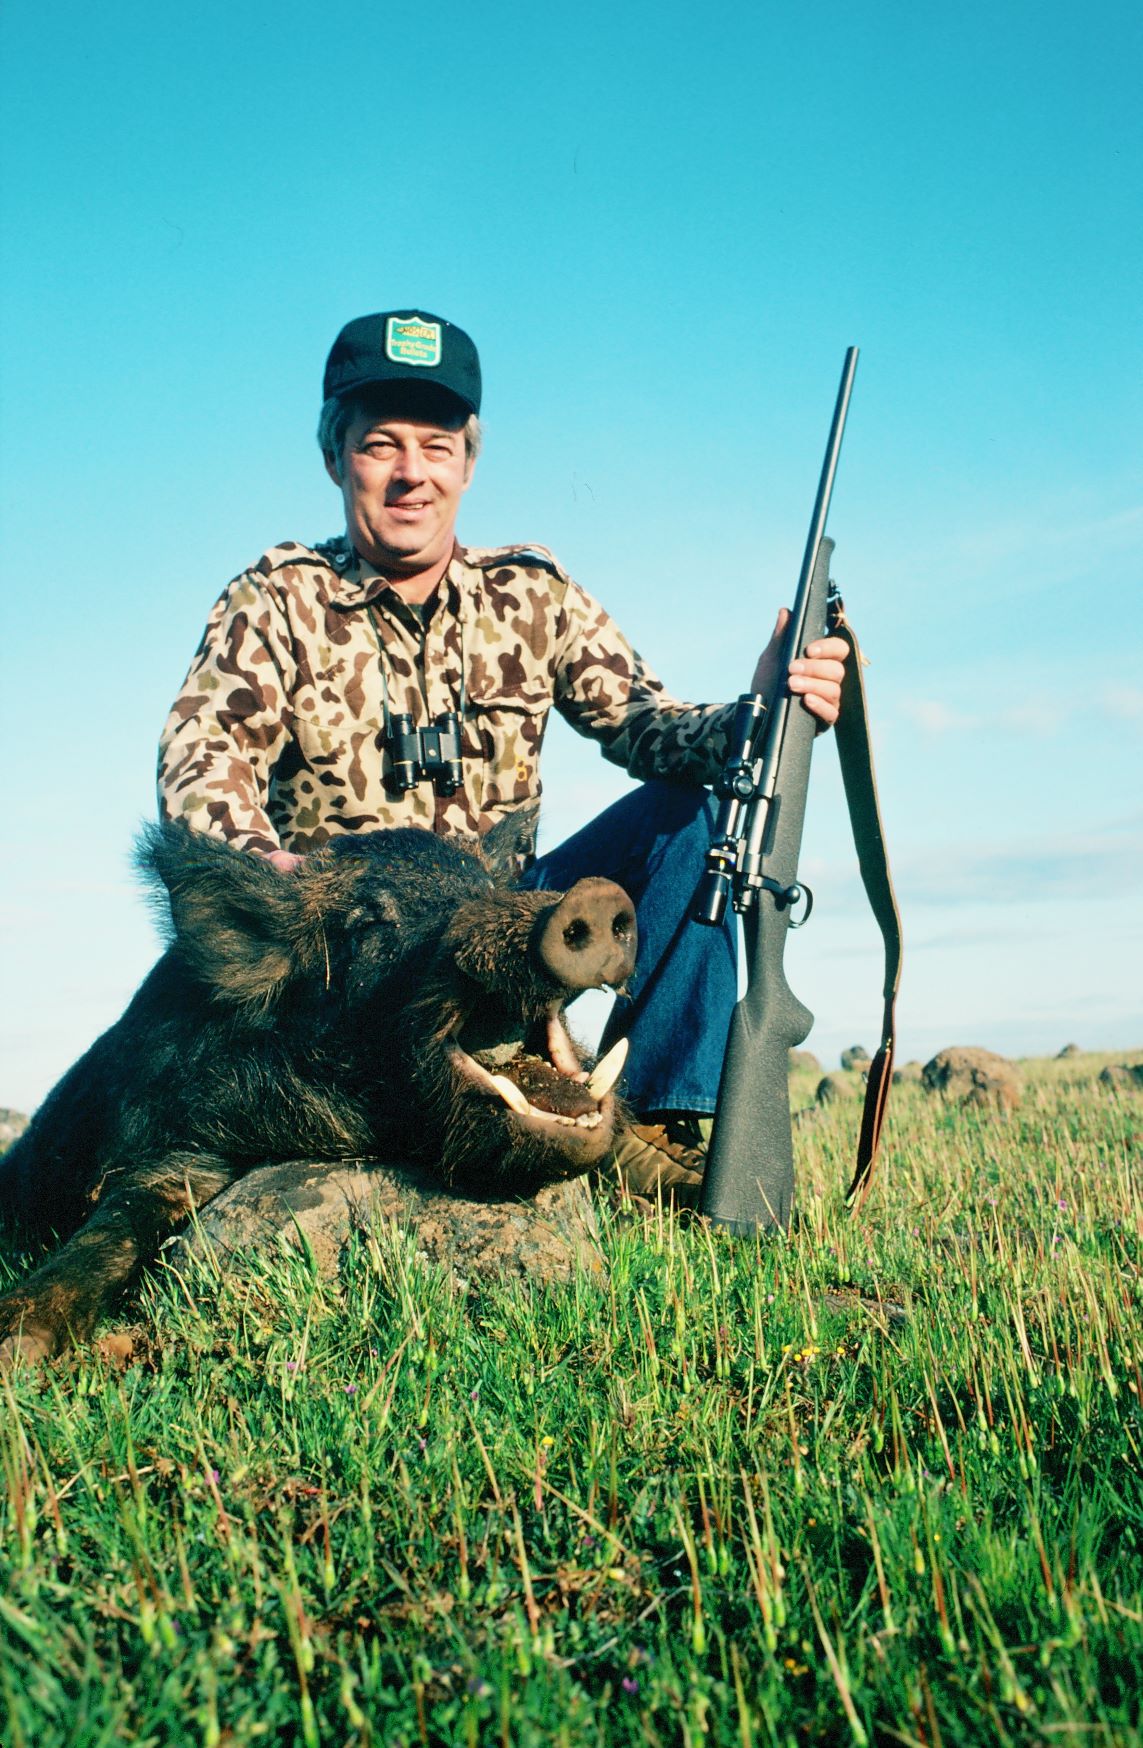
(541, 1079)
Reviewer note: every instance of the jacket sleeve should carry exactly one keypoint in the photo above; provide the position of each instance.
(605, 689)
(230, 722)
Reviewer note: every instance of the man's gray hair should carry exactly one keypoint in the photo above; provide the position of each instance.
(339, 412)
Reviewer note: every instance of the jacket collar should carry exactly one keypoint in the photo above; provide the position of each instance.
(356, 582)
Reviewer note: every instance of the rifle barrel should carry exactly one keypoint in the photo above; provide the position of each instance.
(750, 863)
(825, 488)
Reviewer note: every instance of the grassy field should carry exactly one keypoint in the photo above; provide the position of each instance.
(880, 1482)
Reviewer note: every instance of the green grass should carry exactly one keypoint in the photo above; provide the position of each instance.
(724, 1498)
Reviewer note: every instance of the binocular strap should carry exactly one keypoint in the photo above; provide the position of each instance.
(856, 755)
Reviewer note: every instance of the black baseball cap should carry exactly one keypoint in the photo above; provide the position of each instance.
(404, 346)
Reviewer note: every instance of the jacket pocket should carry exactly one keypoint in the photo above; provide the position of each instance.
(505, 728)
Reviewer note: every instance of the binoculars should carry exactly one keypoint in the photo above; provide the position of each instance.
(421, 755)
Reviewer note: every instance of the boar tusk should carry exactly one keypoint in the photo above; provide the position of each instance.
(562, 1052)
(607, 1072)
(511, 1094)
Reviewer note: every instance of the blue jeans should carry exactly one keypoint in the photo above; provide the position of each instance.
(653, 842)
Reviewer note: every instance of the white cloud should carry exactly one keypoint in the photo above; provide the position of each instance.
(934, 716)
(1044, 538)
(1103, 862)
(1046, 549)
(1035, 716)
(1125, 703)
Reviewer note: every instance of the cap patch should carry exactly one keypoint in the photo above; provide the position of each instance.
(413, 341)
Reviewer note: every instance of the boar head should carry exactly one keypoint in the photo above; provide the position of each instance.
(417, 991)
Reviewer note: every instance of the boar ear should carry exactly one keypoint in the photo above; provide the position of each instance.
(508, 846)
(234, 919)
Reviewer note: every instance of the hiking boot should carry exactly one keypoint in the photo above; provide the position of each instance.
(690, 1129)
(664, 1153)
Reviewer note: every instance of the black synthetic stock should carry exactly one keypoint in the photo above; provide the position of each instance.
(749, 1177)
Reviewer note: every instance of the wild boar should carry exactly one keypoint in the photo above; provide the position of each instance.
(393, 998)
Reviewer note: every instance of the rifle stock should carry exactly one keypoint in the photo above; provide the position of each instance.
(749, 1177)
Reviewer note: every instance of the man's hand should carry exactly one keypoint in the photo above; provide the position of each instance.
(284, 860)
(815, 677)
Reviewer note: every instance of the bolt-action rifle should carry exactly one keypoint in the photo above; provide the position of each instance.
(753, 862)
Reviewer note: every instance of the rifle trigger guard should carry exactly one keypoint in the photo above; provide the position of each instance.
(789, 896)
(794, 893)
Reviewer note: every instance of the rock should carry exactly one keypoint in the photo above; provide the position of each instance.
(542, 1239)
(908, 1071)
(12, 1123)
(888, 1313)
(857, 1056)
(837, 1086)
(1122, 1076)
(1068, 1050)
(973, 1077)
(117, 1347)
(805, 1059)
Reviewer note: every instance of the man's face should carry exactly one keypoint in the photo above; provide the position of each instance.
(402, 483)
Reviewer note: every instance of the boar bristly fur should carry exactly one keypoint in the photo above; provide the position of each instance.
(386, 1000)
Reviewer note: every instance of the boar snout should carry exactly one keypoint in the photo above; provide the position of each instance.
(589, 938)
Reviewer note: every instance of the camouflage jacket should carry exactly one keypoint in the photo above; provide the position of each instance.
(277, 738)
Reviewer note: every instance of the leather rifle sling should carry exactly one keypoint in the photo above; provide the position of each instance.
(856, 755)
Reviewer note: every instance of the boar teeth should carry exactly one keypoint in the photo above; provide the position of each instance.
(514, 1098)
(511, 1094)
(607, 1072)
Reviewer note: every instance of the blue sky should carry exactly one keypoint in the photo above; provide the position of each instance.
(663, 227)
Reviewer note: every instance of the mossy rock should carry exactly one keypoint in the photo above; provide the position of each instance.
(12, 1124)
(909, 1073)
(1123, 1076)
(833, 1088)
(544, 1238)
(973, 1076)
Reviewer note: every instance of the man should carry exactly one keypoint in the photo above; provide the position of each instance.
(394, 677)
